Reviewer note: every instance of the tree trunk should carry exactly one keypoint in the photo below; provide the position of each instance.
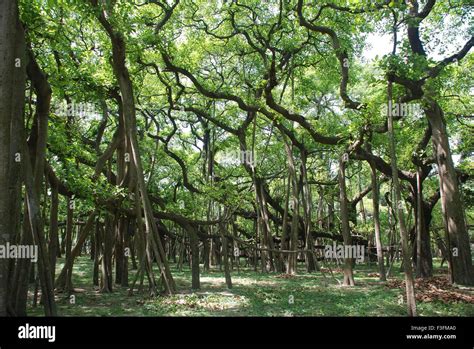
(194, 242)
(97, 249)
(68, 288)
(20, 279)
(36, 225)
(206, 252)
(293, 247)
(346, 233)
(126, 252)
(225, 255)
(376, 213)
(361, 204)
(409, 284)
(267, 236)
(118, 250)
(307, 208)
(61, 281)
(424, 261)
(130, 125)
(106, 263)
(284, 234)
(460, 260)
(225, 252)
(12, 90)
(53, 229)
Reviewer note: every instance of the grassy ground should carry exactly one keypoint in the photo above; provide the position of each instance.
(253, 294)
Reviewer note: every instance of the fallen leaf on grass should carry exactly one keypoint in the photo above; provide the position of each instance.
(434, 289)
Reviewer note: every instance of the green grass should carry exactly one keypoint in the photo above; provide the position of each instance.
(253, 294)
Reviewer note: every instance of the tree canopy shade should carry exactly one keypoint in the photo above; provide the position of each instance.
(149, 137)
